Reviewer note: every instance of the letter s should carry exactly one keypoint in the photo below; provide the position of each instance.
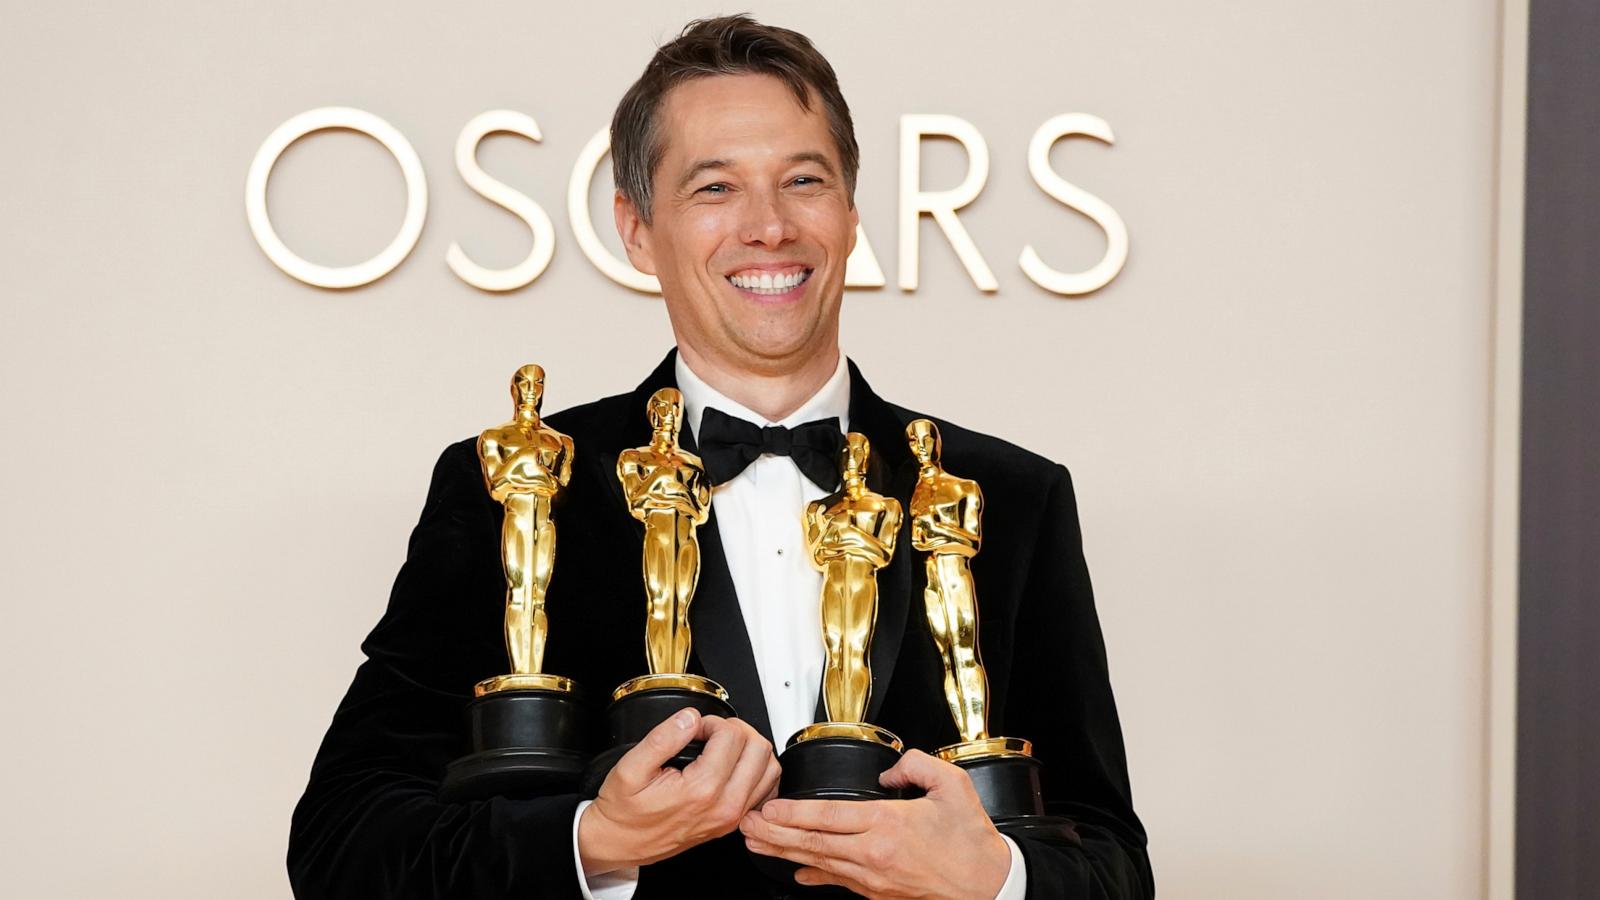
(1116, 255)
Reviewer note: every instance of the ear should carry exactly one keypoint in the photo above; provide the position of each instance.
(635, 234)
(855, 224)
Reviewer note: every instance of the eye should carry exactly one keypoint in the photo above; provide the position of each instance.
(806, 181)
(717, 188)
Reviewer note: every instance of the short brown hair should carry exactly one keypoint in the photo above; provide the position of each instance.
(726, 45)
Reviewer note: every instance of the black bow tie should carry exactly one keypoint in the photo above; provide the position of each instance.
(726, 445)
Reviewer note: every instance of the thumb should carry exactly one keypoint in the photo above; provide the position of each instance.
(921, 770)
(643, 762)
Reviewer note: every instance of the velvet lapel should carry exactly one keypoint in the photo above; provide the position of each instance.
(721, 644)
(891, 471)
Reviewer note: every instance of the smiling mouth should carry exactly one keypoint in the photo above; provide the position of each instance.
(765, 283)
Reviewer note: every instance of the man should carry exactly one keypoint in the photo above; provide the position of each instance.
(735, 161)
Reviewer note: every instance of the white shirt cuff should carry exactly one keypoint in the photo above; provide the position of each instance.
(1016, 884)
(621, 884)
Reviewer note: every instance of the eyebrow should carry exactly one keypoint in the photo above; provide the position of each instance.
(706, 165)
(812, 156)
(702, 166)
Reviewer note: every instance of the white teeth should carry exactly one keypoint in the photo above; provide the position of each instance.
(767, 283)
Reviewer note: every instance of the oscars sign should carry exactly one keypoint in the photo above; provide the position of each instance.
(862, 271)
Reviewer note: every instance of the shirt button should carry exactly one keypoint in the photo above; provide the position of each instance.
(786, 684)
(780, 551)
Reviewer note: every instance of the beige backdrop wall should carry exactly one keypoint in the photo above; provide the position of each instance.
(1277, 415)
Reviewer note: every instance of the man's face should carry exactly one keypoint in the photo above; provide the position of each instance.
(751, 224)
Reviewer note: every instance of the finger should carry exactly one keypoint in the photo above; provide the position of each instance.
(643, 763)
(800, 856)
(748, 773)
(841, 816)
(820, 870)
(813, 876)
(725, 741)
(812, 848)
(756, 827)
(921, 770)
(767, 788)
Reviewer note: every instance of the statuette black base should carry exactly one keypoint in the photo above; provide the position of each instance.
(1008, 785)
(634, 715)
(831, 768)
(836, 768)
(525, 742)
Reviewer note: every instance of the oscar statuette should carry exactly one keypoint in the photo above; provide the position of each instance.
(947, 524)
(526, 726)
(851, 535)
(666, 489)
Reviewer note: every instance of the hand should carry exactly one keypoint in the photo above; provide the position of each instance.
(942, 845)
(647, 812)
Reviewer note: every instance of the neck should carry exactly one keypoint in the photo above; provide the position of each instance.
(775, 393)
(528, 414)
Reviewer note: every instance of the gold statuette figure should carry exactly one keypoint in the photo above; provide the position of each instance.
(851, 535)
(525, 463)
(526, 727)
(666, 488)
(947, 524)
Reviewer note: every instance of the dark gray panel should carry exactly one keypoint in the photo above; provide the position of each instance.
(1558, 740)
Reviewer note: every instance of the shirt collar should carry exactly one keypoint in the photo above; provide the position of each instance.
(832, 399)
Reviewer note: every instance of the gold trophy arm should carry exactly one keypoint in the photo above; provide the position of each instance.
(890, 529)
(816, 528)
(491, 459)
(853, 542)
(663, 490)
(568, 450)
(972, 517)
(686, 506)
(631, 477)
(702, 497)
(892, 522)
(925, 531)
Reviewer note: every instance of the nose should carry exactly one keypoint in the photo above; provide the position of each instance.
(767, 222)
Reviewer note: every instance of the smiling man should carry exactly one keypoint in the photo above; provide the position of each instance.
(735, 160)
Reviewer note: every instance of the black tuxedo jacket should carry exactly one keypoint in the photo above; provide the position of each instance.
(370, 824)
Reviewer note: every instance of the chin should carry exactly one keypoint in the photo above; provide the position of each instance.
(797, 345)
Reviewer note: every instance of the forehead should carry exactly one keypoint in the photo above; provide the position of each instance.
(739, 118)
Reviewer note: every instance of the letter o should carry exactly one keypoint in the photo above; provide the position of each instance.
(321, 119)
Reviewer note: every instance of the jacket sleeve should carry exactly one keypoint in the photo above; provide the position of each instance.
(1072, 719)
(370, 824)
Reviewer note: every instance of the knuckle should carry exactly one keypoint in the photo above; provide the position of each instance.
(878, 855)
(727, 813)
(832, 814)
(700, 793)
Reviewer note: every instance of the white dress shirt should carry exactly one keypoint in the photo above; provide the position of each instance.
(758, 515)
